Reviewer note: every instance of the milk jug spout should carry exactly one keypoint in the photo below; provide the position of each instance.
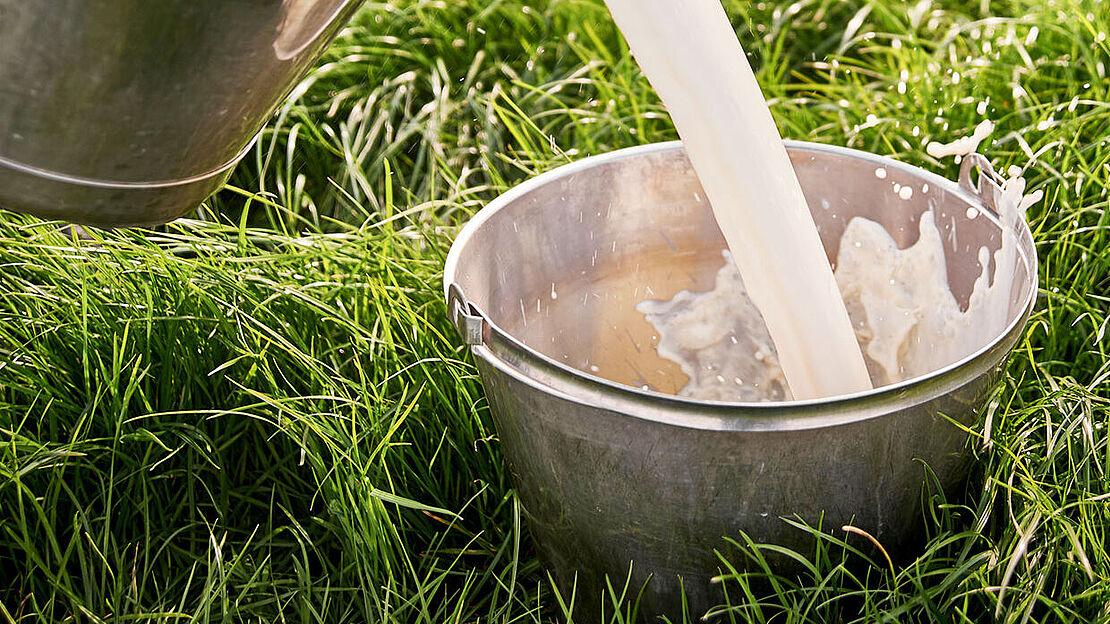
(132, 112)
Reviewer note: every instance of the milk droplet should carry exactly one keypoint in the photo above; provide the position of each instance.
(880, 173)
(905, 192)
(972, 213)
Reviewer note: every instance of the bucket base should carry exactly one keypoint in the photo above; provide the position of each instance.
(50, 195)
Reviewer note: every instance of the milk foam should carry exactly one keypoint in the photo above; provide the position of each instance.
(908, 322)
(905, 317)
(720, 341)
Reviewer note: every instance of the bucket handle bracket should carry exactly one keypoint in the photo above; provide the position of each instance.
(468, 322)
(988, 187)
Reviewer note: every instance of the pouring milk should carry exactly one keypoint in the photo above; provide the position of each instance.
(692, 58)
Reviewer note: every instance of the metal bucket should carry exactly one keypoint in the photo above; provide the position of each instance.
(614, 471)
(132, 112)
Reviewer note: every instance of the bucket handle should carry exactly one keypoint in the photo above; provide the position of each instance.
(468, 322)
(988, 187)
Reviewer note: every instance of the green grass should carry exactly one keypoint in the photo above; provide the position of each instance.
(260, 414)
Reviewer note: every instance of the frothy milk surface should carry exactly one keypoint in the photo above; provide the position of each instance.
(720, 341)
(905, 316)
(692, 58)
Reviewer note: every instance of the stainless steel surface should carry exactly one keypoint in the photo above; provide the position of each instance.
(542, 283)
(131, 112)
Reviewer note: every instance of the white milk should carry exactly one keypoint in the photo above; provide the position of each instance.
(720, 342)
(905, 316)
(690, 54)
(907, 319)
(964, 145)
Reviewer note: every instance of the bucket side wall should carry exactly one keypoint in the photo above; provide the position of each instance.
(603, 490)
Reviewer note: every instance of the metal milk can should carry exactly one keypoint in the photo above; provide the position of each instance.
(132, 112)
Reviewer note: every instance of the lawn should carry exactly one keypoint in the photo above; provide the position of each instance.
(259, 413)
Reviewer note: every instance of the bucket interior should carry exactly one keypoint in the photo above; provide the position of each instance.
(561, 264)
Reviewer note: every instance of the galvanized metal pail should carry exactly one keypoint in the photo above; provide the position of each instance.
(611, 469)
(132, 112)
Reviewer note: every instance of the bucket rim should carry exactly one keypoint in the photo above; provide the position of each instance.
(764, 415)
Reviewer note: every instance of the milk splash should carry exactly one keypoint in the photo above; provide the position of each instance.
(906, 319)
(964, 145)
(690, 53)
(720, 341)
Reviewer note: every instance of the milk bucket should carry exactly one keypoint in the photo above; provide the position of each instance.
(132, 112)
(613, 474)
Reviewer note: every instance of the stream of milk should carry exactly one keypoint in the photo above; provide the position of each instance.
(691, 56)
